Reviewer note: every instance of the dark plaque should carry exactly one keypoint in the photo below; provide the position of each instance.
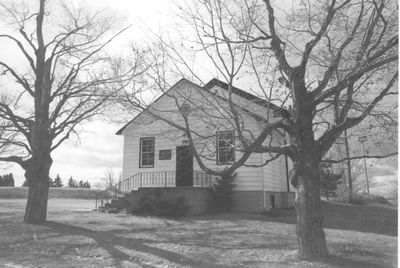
(165, 154)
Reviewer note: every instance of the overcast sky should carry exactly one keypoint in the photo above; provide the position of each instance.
(98, 148)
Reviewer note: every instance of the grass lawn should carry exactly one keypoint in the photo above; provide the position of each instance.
(358, 236)
(54, 192)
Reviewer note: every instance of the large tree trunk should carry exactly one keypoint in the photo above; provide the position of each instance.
(37, 174)
(37, 171)
(38, 167)
(309, 227)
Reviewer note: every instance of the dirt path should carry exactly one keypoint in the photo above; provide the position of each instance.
(78, 237)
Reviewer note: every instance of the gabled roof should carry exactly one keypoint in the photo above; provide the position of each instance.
(215, 82)
(119, 132)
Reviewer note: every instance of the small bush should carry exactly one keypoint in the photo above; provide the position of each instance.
(222, 193)
(153, 204)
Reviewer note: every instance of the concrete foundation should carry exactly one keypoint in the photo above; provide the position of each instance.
(252, 201)
(199, 200)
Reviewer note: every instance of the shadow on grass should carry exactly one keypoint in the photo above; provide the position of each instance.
(109, 241)
(339, 261)
(361, 218)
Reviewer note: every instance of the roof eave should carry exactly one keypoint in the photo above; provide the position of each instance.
(216, 82)
(119, 132)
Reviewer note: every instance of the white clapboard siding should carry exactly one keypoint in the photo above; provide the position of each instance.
(247, 178)
(274, 173)
(206, 118)
(132, 148)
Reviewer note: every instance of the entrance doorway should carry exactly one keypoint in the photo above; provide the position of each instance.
(184, 166)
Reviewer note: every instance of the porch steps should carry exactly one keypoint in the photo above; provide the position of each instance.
(122, 194)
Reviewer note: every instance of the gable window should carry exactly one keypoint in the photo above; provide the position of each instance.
(146, 152)
(225, 147)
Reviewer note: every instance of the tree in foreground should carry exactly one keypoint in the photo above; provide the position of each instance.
(66, 79)
(331, 64)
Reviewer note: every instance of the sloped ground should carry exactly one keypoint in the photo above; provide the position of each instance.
(78, 237)
(54, 192)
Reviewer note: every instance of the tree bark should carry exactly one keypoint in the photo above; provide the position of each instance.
(37, 174)
(348, 163)
(309, 227)
(38, 168)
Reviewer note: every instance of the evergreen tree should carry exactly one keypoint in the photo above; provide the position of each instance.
(11, 181)
(72, 183)
(329, 180)
(7, 180)
(86, 185)
(222, 193)
(81, 184)
(58, 181)
(51, 182)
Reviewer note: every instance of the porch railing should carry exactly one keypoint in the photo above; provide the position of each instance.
(201, 179)
(163, 179)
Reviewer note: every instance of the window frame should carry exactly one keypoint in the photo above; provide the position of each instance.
(141, 152)
(233, 147)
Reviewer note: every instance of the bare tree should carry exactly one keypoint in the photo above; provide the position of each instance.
(68, 80)
(108, 180)
(380, 129)
(331, 63)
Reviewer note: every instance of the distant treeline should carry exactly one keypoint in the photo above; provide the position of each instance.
(57, 182)
(7, 180)
(75, 184)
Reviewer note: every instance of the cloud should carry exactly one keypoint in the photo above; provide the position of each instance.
(86, 158)
(97, 149)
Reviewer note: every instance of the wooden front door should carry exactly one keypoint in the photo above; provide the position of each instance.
(184, 166)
